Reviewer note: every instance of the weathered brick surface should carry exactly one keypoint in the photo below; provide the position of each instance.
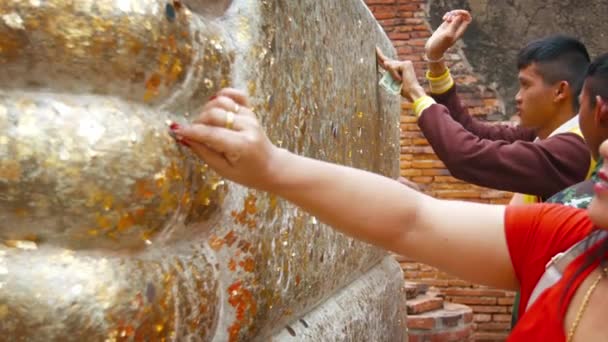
(430, 319)
(406, 23)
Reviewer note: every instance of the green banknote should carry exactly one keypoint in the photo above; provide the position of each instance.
(390, 84)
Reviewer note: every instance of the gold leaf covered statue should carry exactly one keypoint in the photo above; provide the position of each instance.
(112, 232)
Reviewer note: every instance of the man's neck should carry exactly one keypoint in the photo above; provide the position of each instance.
(558, 120)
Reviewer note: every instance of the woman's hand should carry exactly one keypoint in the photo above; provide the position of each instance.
(228, 137)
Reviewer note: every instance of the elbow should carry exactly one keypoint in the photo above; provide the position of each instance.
(458, 165)
(407, 228)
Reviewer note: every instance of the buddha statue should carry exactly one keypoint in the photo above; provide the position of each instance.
(110, 231)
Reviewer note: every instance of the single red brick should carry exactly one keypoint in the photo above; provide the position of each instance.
(446, 179)
(427, 164)
(400, 35)
(420, 142)
(423, 304)
(435, 173)
(458, 282)
(480, 292)
(422, 180)
(506, 301)
(410, 172)
(501, 318)
(421, 322)
(408, 7)
(473, 300)
(489, 308)
(493, 326)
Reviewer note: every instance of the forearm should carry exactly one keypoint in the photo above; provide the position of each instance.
(540, 169)
(361, 204)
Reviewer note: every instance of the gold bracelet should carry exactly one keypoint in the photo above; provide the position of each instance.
(427, 59)
(440, 84)
(421, 104)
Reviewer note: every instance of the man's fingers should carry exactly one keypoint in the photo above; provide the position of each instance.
(410, 80)
(454, 24)
(448, 17)
(464, 14)
(395, 74)
(381, 57)
(395, 69)
(406, 67)
(452, 15)
(462, 28)
(464, 19)
(443, 25)
(221, 139)
(457, 27)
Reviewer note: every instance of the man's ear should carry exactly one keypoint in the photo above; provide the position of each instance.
(562, 91)
(600, 112)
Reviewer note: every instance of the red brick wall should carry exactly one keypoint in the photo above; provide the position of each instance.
(406, 23)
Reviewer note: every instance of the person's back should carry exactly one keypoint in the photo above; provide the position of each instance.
(580, 194)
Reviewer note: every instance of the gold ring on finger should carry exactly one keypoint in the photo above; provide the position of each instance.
(229, 120)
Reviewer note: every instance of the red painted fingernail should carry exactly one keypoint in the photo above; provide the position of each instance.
(174, 126)
(213, 98)
(183, 142)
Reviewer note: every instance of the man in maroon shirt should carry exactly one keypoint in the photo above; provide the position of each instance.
(542, 156)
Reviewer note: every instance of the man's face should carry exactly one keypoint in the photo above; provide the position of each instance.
(534, 98)
(586, 121)
(598, 209)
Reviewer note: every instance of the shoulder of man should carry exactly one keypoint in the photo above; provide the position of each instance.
(578, 195)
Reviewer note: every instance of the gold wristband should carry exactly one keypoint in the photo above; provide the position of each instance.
(421, 104)
(440, 84)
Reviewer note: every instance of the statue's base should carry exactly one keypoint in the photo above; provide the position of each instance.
(372, 308)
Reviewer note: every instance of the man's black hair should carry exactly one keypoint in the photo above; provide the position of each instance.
(558, 58)
(597, 78)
